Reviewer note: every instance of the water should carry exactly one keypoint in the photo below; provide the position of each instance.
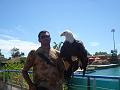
(107, 72)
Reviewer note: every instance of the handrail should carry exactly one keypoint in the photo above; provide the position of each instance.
(75, 75)
(13, 71)
(13, 79)
(94, 80)
(88, 77)
(97, 76)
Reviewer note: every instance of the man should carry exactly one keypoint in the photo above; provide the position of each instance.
(48, 68)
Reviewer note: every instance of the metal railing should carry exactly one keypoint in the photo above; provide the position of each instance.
(14, 79)
(95, 82)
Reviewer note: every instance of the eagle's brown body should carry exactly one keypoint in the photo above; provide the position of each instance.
(77, 49)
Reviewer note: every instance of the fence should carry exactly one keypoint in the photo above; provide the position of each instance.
(95, 82)
(14, 79)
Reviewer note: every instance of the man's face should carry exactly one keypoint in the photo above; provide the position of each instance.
(45, 38)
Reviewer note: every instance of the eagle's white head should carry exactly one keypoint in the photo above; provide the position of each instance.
(68, 36)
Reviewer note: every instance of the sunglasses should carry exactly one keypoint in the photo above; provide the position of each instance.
(45, 36)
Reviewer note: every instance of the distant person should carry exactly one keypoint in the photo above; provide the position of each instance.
(48, 68)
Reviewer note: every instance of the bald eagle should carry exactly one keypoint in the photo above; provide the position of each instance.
(74, 53)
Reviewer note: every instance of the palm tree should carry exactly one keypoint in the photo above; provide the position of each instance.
(57, 46)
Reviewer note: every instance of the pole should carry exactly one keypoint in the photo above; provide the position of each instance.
(113, 30)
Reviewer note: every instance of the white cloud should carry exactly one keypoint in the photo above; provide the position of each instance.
(94, 44)
(7, 37)
(24, 46)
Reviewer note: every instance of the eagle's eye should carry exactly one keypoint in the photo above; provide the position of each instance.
(64, 32)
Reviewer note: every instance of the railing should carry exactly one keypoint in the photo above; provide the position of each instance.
(13, 78)
(95, 82)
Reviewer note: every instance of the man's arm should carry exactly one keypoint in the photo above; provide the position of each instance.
(29, 63)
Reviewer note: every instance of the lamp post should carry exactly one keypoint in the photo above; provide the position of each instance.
(113, 30)
(114, 52)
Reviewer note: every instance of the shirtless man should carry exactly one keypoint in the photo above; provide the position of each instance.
(48, 68)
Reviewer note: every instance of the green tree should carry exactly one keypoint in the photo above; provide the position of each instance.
(57, 46)
(119, 55)
(15, 52)
(88, 54)
(1, 56)
(100, 53)
(0, 52)
(22, 54)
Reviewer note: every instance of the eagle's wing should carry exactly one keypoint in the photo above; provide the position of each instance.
(64, 51)
(83, 55)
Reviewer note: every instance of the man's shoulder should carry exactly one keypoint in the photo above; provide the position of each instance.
(32, 52)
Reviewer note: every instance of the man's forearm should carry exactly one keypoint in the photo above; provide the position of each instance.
(27, 78)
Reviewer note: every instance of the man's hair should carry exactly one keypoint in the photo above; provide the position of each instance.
(42, 32)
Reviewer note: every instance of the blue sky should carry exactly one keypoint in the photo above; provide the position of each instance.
(90, 21)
